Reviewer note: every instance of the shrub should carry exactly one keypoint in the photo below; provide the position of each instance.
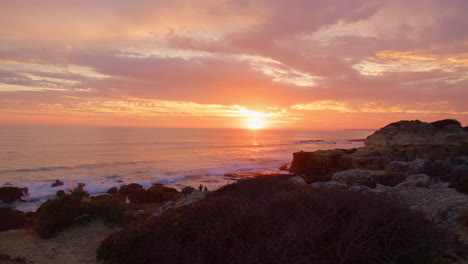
(110, 209)
(187, 190)
(55, 215)
(268, 221)
(463, 186)
(445, 122)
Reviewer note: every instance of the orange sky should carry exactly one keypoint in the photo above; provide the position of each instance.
(291, 64)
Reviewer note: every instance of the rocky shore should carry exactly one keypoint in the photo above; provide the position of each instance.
(69, 228)
(423, 166)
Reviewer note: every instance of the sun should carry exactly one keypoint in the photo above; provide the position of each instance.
(255, 123)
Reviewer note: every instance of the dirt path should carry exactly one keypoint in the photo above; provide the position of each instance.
(76, 245)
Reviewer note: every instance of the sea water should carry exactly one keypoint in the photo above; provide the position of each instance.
(104, 157)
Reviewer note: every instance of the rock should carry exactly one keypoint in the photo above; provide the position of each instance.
(112, 190)
(161, 193)
(356, 176)
(329, 185)
(417, 133)
(184, 200)
(450, 169)
(57, 183)
(370, 158)
(11, 219)
(382, 188)
(297, 180)
(127, 189)
(442, 206)
(438, 149)
(60, 194)
(369, 178)
(406, 167)
(187, 190)
(360, 188)
(156, 193)
(11, 194)
(140, 196)
(440, 185)
(320, 165)
(418, 180)
(283, 168)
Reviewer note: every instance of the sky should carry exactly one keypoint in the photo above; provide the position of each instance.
(279, 64)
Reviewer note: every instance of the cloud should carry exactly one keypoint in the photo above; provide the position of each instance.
(299, 55)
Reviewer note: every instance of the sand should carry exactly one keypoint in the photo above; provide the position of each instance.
(76, 245)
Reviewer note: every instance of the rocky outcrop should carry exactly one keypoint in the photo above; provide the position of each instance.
(112, 190)
(438, 149)
(417, 133)
(156, 193)
(57, 183)
(369, 178)
(320, 165)
(11, 194)
(182, 201)
(160, 193)
(422, 165)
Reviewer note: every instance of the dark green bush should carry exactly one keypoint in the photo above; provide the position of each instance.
(445, 122)
(187, 190)
(55, 215)
(110, 209)
(269, 221)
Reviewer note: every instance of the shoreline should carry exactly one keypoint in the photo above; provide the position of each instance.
(30, 201)
(425, 181)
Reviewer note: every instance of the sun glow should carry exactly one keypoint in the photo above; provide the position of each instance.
(255, 123)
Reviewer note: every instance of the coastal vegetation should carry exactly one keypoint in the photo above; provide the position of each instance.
(274, 220)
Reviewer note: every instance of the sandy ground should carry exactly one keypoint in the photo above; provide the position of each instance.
(73, 246)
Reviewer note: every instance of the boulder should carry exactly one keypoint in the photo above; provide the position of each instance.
(140, 196)
(127, 189)
(112, 190)
(11, 219)
(57, 183)
(418, 180)
(442, 205)
(297, 180)
(406, 167)
(320, 165)
(11, 194)
(161, 193)
(450, 169)
(356, 176)
(184, 200)
(329, 185)
(369, 178)
(283, 168)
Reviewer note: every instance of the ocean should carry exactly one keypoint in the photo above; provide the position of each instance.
(104, 157)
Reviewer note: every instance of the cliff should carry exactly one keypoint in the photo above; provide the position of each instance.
(423, 165)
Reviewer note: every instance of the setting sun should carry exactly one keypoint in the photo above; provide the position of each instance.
(255, 123)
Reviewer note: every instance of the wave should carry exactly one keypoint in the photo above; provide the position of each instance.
(80, 166)
(339, 141)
